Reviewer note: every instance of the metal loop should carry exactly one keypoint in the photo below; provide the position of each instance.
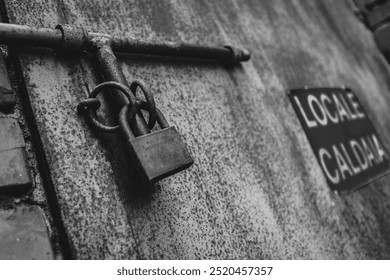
(151, 105)
(125, 90)
(124, 118)
(94, 121)
(162, 121)
(91, 111)
(124, 123)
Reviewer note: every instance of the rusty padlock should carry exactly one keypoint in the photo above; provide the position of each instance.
(158, 154)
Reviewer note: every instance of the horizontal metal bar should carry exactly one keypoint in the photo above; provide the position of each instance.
(125, 45)
(13, 34)
(55, 37)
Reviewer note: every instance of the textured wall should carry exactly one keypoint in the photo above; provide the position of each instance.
(256, 189)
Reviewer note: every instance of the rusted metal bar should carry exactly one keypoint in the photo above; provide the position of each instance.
(125, 45)
(63, 35)
(14, 34)
(112, 72)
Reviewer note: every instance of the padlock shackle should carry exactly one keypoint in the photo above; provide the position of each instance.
(124, 118)
(149, 99)
(160, 118)
(162, 121)
(124, 122)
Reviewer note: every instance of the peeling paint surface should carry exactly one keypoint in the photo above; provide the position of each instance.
(256, 190)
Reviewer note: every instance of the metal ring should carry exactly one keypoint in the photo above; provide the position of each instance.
(151, 105)
(119, 86)
(91, 113)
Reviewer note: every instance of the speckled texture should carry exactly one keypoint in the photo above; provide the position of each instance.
(256, 189)
(23, 234)
(15, 175)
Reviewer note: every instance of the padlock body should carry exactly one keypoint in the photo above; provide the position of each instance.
(159, 154)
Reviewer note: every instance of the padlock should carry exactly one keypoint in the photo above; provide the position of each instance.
(156, 155)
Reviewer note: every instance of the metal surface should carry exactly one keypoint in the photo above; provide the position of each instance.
(90, 105)
(70, 39)
(256, 190)
(226, 54)
(150, 104)
(159, 154)
(156, 155)
(13, 34)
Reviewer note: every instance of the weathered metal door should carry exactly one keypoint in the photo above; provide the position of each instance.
(255, 189)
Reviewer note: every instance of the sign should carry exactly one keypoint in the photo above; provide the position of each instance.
(344, 140)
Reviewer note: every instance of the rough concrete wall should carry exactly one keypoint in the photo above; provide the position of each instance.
(256, 189)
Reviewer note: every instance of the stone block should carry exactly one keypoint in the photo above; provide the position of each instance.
(24, 235)
(15, 175)
(7, 98)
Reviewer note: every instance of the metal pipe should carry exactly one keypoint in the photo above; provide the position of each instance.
(14, 34)
(125, 45)
(56, 37)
